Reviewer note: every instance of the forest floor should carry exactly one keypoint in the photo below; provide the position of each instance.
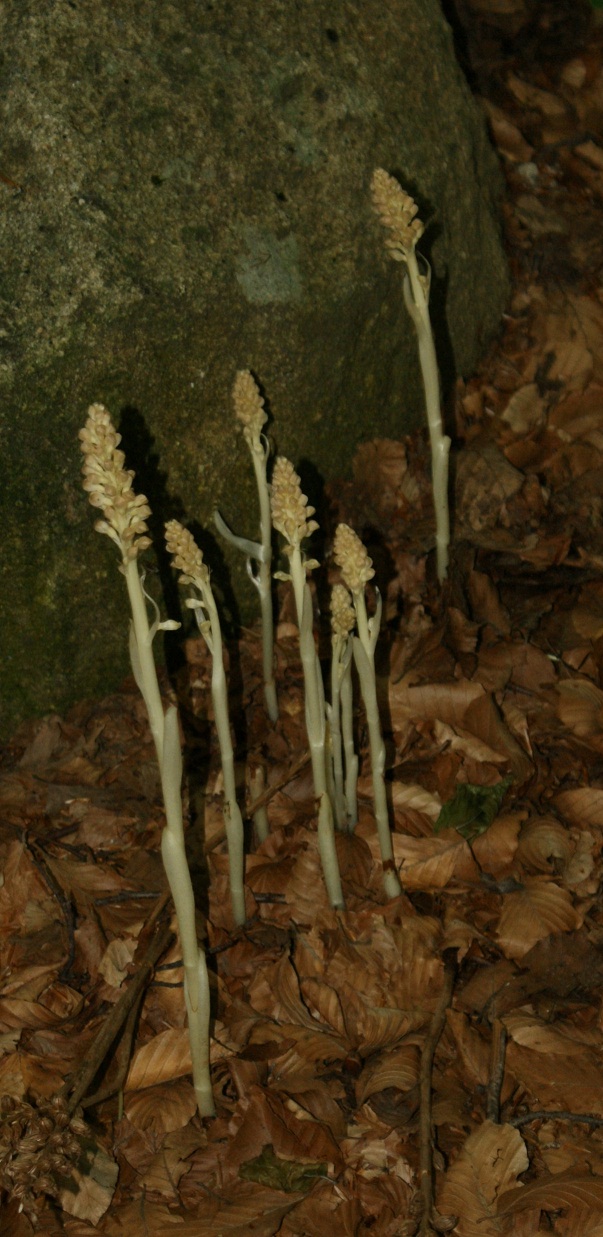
(452, 1036)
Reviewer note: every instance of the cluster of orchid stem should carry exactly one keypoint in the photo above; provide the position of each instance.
(397, 212)
(329, 725)
(334, 791)
(291, 516)
(356, 571)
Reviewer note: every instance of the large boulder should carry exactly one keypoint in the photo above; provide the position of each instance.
(185, 192)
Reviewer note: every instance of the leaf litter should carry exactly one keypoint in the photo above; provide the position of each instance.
(455, 1032)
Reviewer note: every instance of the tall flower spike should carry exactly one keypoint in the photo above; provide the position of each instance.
(290, 508)
(186, 555)
(343, 618)
(397, 211)
(109, 485)
(249, 406)
(352, 558)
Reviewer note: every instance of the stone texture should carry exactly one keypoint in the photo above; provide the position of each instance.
(185, 193)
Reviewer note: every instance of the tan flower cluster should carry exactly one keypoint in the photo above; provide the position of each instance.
(186, 555)
(352, 558)
(249, 405)
(343, 616)
(396, 210)
(38, 1148)
(109, 485)
(290, 509)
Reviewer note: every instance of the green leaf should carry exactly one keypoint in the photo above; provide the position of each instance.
(270, 1170)
(472, 809)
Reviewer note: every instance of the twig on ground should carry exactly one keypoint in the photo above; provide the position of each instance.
(75, 1089)
(425, 1151)
(583, 1118)
(497, 1070)
(123, 1057)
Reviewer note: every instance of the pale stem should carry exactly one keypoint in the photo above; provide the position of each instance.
(260, 552)
(315, 726)
(364, 649)
(417, 305)
(351, 759)
(338, 649)
(264, 584)
(233, 820)
(368, 688)
(196, 984)
(141, 655)
(164, 728)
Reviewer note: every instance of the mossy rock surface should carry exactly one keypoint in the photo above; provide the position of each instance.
(186, 193)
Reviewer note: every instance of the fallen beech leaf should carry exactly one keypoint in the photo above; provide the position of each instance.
(573, 1083)
(495, 849)
(533, 1033)
(371, 1027)
(431, 863)
(262, 1117)
(543, 839)
(580, 708)
(94, 1179)
(525, 409)
(248, 1208)
(490, 1161)
(162, 1109)
(415, 799)
(540, 909)
(583, 806)
(116, 960)
(553, 1192)
(397, 1068)
(166, 1056)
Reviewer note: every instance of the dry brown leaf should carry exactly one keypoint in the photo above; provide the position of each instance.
(490, 1161)
(473, 1048)
(542, 840)
(533, 1033)
(324, 1211)
(432, 863)
(561, 1191)
(583, 806)
(495, 849)
(540, 909)
(573, 1083)
(371, 1027)
(163, 1108)
(508, 139)
(411, 798)
(116, 960)
(397, 1068)
(580, 708)
(94, 1186)
(525, 409)
(275, 991)
(165, 1057)
(262, 1117)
